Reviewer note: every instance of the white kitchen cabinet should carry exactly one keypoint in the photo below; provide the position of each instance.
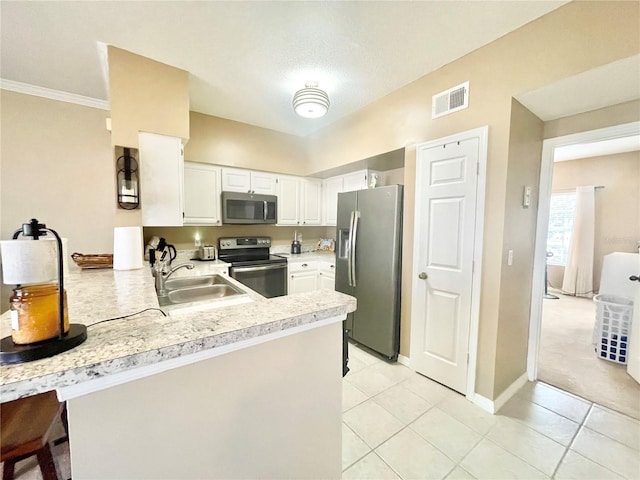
(202, 184)
(240, 180)
(354, 181)
(361, 180)
(350, 182)
(331, 187)
(299, 200)
(311, 201)
(288, 200)
(326, 275)
(161, 185)
(303, 277)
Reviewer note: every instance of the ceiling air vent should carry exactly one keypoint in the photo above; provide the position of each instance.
(449, 101)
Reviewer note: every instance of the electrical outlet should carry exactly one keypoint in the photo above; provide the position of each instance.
(510, 257)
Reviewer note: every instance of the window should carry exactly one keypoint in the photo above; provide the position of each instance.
(561, 213)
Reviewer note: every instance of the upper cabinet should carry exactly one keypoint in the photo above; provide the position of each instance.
(288, 200)
(311, 201)
(331, 187)
(202, 183)
(354, 181)
(161, 173)
(299, 200)
(239, 180)
(350, 182)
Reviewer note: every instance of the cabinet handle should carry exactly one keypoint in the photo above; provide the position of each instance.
(304, 265)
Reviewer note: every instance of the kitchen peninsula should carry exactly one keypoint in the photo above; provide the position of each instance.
(233, 391)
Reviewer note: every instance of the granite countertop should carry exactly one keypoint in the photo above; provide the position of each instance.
(148, 337)
(318, 255)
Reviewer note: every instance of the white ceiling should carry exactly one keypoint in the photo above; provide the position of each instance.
(611, 84)
(245, 58)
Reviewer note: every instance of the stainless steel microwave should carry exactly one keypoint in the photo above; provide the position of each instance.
(248, 208)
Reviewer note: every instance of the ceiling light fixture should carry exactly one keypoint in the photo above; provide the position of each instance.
(311, 102)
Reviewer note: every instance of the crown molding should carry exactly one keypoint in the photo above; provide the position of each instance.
(51, 94)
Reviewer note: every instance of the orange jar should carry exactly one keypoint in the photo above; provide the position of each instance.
(34, 313)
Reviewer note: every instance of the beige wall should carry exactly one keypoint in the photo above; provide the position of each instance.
(617, 227)
(183, 237)
(146, 96)
(575, 38)
(57, 166)
(570, 40)
(525, 152)
(225, 142)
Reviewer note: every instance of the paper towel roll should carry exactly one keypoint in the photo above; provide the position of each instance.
(65, 253)
(127, 248)
(29, 261)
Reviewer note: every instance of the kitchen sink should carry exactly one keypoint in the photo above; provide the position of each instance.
(199, 281)
(203, 288)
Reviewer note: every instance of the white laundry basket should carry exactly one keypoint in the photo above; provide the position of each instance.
(613, 327)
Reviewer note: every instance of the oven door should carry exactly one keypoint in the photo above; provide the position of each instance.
(268, 280)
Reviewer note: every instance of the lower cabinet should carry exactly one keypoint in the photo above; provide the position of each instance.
(312, 275)
(327, 276)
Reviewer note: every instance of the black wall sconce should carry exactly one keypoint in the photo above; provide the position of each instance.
(127, 178)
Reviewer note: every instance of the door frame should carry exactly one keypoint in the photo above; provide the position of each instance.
(544, 200)
(482, 134)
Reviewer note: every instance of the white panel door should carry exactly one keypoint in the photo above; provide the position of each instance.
(446, 183)
(633, 359)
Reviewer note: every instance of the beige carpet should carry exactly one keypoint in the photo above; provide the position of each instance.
(567, 358)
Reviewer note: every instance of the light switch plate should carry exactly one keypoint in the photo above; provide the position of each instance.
(526, 197)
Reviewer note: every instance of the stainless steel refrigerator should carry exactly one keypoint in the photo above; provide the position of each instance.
(368, 260)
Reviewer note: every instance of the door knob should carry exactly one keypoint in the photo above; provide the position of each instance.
(635, 278)
(422, 276)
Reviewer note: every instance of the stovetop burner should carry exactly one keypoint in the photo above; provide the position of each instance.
(242, 251)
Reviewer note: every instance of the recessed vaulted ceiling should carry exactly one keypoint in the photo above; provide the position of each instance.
(246, 59)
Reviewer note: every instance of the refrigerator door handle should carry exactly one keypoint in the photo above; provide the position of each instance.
(350, 250)
(356, 218)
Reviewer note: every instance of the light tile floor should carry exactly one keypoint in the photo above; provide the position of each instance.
(398, 424)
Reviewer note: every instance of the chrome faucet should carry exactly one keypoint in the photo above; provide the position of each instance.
(161, 277)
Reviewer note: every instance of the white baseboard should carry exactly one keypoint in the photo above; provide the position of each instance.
(492, 406)
(402, 360)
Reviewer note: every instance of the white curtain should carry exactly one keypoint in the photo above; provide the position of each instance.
(578, 273)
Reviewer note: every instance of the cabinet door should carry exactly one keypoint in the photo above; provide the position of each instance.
(236, 180)
(355, 181)
(326, 281)
(201, 194)
(263, 183)
(161, 170)
(300, 282)
(311, 204)
(331, 187)
(288, 200)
